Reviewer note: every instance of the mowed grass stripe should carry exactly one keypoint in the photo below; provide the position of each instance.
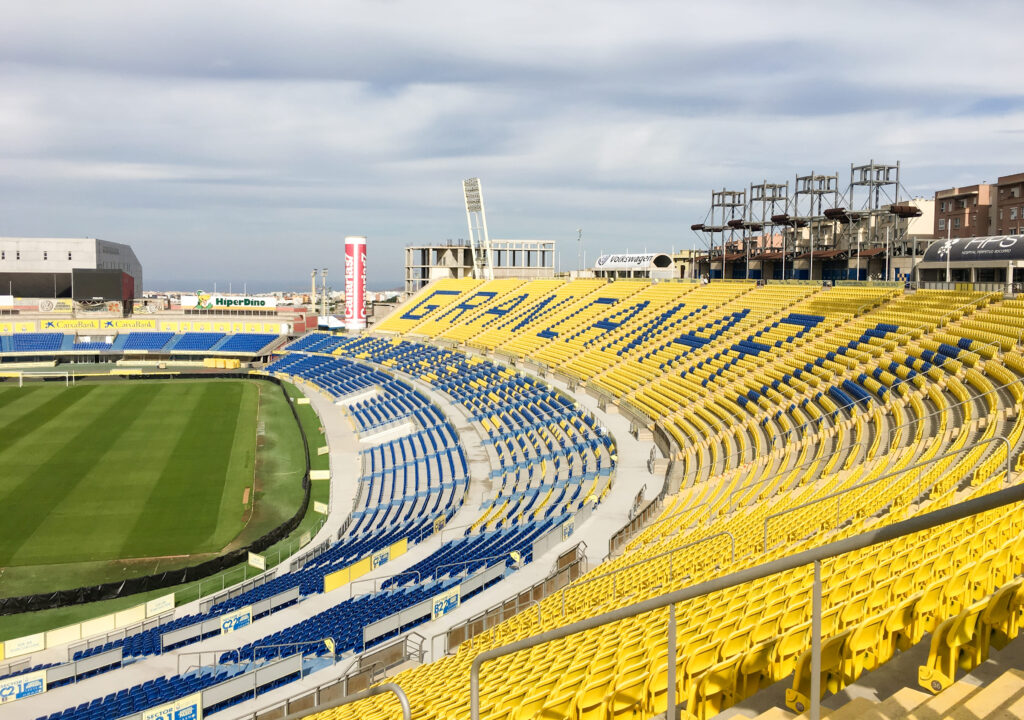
(240, 467)
(28, 423)
(182, 513)
(122, 479)
(10, 394)
(29, 501)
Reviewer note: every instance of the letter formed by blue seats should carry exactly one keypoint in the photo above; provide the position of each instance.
(550, 333)
(423, 307)
(466, 305)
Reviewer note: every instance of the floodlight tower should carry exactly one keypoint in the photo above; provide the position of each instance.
(882, 183)
(323, 291)
(768, 200)
(479, 240)
(812, 189)
(726, 202)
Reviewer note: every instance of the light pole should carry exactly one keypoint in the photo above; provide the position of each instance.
(858, 250)
(579, 249)
(949, 237)
(887, 229)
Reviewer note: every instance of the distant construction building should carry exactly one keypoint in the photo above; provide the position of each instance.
(454, 259)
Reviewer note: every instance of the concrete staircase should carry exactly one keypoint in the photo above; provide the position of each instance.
(992, 691)
(966, 699)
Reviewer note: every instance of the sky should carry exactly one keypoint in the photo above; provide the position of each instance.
(239, 142)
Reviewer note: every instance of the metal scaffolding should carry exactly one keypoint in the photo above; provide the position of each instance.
(767, 200)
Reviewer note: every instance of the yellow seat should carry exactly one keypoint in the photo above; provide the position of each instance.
(954, 645)
(832, 675)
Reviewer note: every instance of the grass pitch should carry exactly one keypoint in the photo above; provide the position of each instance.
(109, 480)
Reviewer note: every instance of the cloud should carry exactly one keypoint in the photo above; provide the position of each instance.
(243, 140)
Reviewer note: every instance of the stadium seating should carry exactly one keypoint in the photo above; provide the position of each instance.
(795, 415)
(851, 389)
(245, 342)
(195, 341)
(140, 341)
(36, 342)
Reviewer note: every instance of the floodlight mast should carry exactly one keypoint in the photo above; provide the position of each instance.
(479, 240)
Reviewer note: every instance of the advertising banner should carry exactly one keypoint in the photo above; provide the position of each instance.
(439, 523)
(380, 558)
(336, 579)
(568, 527)
(69, 325)
(18, 326)
(236, 620)
(189, 707)
(159, 605)
(398, 548)
(22, 686)
(209, 301)
(25, 645)
(319, 507)
(128, 324)
(355, 282)
(257, 561)
(445, 603)
(58, 305)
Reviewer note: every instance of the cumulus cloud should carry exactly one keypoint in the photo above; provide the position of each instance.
(240, 141)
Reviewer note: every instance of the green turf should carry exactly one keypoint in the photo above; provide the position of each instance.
(109, 480)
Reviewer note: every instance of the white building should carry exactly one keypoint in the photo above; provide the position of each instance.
(41, 267)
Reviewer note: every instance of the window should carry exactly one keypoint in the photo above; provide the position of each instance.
(1013, 213)
(69, 254)
(17, 254)
(956, 223)
(942, 223)
(45, 255)
(3, 254)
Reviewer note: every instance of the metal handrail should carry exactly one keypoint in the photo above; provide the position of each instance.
(352, 584)
(926, 521)
(883, 477)
(505, 556)
(362, 695)
(613, 573)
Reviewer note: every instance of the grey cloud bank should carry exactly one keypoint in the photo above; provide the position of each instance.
(240, 141)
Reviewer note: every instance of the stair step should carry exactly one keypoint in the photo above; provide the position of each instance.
(853, 710)
(938, 705)
(775, 713)
(993, 699)
(901, 702)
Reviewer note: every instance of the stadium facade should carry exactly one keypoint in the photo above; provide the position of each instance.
(44, 267)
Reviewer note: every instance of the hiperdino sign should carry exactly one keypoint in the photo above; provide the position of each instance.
(206, 301)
